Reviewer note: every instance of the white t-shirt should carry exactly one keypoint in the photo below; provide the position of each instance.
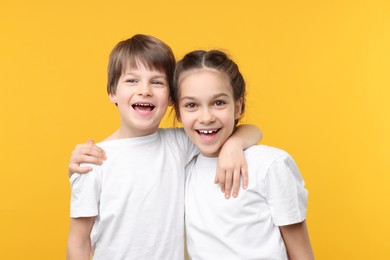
(246, 227)
(137, 196)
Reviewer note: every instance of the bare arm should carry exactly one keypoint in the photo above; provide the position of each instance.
(231, 160)
(296, 239)
(79, 243)
(85, 153)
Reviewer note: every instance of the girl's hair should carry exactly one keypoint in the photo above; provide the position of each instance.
(140, 49)
(213, 59)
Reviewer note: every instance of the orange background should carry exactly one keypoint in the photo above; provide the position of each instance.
(318, 87)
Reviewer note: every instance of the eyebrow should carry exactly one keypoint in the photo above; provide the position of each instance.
(213, 97)
(152, 76)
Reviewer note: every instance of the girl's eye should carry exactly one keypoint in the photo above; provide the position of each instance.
(219, 103)
(190, 105)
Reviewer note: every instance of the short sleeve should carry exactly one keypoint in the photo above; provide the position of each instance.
(85, 193)
(186, 145)
(285, 192)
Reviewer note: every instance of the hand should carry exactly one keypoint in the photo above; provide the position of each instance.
(231, 167)
(85, 153)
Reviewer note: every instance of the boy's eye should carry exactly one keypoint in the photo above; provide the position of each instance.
(131, 81)
(157, 82)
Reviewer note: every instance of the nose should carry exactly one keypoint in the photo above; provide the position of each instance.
(206, 116)
(144, 89)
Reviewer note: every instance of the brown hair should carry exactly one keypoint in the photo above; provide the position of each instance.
(213, 59)
(145, 49)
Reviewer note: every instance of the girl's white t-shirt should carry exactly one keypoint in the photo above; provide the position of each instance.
(246, 227)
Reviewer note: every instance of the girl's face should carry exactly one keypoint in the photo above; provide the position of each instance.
(207, 109)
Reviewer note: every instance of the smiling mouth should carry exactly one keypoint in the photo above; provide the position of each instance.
(143, 107)
(207, 132)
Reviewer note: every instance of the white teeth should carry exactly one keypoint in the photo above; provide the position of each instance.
(144, 105)
(207, 131)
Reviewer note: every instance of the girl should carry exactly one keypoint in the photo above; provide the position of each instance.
(265, 221)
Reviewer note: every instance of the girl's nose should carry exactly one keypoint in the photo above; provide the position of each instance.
(206, 117)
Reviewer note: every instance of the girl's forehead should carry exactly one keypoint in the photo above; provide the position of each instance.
(200, 73)
(205, 83)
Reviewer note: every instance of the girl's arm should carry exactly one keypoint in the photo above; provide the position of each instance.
(231, 160)
(296, 239)
(79, 243)
(85, 153)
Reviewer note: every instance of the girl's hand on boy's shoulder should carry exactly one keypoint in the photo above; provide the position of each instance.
(88, 152)
(231, 167)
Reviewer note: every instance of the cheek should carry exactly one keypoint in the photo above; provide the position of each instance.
(229, 116)
(186, 119)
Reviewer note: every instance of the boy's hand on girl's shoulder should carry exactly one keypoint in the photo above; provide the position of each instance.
(88, 152)
(231, 168)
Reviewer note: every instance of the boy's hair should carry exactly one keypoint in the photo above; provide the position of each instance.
(213, 59)
(140, 49)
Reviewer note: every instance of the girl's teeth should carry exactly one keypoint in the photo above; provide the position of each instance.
(207, 131)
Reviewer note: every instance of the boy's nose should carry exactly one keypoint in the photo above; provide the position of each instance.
(144, 89)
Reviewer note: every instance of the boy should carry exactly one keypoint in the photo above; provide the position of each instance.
(132, 206)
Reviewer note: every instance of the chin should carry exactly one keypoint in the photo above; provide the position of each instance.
(210, 152)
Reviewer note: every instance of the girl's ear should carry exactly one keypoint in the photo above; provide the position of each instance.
(112, 98)
(237, 112)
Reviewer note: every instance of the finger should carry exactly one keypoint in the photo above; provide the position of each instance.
(228, 184)
(74, 168)
(89, 159)
(89, 150)
(216, 179)
(94, 150)
(244, 174)
(222, 181)
(236, 183)
(90, 141)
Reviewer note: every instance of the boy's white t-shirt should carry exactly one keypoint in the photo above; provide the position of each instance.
(137, 196)
(246, 227)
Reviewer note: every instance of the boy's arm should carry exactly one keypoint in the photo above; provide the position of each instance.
(231, 159)
(85, 153)
(296, 239)
(79, 243)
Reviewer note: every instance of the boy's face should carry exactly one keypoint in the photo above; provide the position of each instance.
(207, 109)
(142, 97)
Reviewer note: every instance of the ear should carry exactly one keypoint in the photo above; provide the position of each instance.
(112, 98)
(238, 107)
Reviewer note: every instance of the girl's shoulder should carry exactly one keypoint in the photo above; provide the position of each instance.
(265, 153)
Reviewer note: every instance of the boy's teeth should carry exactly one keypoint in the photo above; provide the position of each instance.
(144, 105)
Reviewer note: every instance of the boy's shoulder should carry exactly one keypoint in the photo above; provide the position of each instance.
(171, 131)
(173, 134)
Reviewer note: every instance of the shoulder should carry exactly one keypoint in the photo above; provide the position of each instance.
(265, 160)
(174, 135)
(265, 154)
(171, 132)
